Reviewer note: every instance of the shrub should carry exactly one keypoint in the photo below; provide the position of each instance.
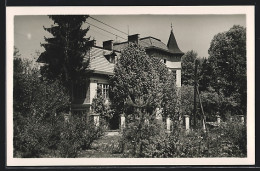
(77, 134)
(136, 141)
(30, 137)
(227, 140)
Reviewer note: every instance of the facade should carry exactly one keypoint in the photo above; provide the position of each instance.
(102, 62)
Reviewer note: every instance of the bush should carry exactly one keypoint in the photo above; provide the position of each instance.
(30, 136)
(53, 137)
(227, 140)
(136, 141)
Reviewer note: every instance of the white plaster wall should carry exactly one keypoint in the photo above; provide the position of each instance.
(178, 77)
(93, 90)
(173, 65)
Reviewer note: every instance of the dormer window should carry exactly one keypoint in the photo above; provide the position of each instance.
(111, 57)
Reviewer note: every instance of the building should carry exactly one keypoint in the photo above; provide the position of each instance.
(102, 62)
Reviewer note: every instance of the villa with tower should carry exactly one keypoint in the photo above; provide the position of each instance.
(102, 63)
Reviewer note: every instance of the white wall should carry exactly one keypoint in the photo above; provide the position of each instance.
(93, 90)
(173, 65)
(178, 77)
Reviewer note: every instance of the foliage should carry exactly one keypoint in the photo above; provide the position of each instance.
(135, 82)
(102, 106)
(77, 134)
(136, 140)
(33, 92)
(39, 125)
(30, 136)
(215, 103)
(227, 140)
(187, 98)
(227, 57)
(137, 91)
(171, 100)
(205, 75)
(64, 52)
(188, 67)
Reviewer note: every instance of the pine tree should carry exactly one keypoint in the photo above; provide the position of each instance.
(64, 52)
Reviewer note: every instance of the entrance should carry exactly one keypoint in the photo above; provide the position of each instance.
(114, 122)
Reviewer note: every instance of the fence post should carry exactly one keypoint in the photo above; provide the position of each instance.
(122, 123)
(168, 124)
(96, 120)
(187, 122)
(218, 119)
(242, 119)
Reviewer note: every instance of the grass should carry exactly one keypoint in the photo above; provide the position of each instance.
(103, 147)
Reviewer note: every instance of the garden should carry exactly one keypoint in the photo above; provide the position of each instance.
(45, 127)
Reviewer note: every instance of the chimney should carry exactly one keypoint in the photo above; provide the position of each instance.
(108, 45)
(133, 38)
(91, 43)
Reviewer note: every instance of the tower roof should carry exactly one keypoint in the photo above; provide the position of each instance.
(172, 44)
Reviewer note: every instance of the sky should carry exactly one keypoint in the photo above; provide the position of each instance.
(192, 32)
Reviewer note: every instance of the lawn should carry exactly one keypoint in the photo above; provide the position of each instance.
(103, 147)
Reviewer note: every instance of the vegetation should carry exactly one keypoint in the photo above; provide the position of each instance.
(136, 92)
(140, 87)
(187, 63)
(64, 52)
(102, 107)
(40, 127)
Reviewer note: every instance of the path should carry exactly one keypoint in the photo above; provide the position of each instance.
(104, 147)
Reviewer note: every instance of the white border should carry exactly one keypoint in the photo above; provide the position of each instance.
(170, 10)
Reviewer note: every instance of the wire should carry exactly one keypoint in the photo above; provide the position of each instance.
(106, 30)
(108, 25)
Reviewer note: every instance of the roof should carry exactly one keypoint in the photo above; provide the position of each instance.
(146, 42)
(154, 43)
(172, 44)
(98, 62)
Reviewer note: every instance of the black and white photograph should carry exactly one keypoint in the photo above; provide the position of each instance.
(114, 86)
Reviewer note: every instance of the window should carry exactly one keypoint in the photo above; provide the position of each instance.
(79, 90)
(111, 58)
(174, 73)
(164, 61)
(103, 90)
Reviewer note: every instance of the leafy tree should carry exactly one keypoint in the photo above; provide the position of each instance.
(35, 101)
(64, 52)
(136, 92)
(205, 75)
(135, 84)
(216, 103)
(170, 102)
(227, 56)
(188, 66)
(187, 99)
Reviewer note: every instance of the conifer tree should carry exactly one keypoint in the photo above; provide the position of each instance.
(64, 52)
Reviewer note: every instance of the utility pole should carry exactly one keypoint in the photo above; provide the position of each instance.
(195, 94)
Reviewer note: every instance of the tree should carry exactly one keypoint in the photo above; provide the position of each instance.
(227, 56)
(188, 67)
(170, 101)
(187, 99)
(64, 52)
(35, 100)
(205, 75)
(136, 92)
(135, 82)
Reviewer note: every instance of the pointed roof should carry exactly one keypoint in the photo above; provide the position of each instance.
(172, 44)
